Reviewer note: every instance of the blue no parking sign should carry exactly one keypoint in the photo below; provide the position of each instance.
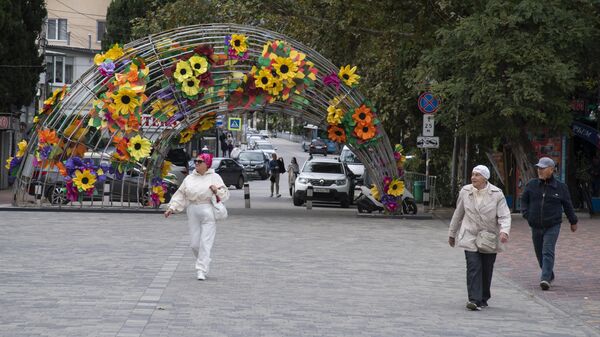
(428, 103)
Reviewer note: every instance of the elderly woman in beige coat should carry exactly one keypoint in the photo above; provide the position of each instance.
(481, 206)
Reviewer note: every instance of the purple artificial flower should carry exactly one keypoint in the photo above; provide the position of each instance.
(72, 193)
(107, 68)
(332, 80)
(45, 153)
(73, 164)
(166, 93)
(392, 206)
(14, 164)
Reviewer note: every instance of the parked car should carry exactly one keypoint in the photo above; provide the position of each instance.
(332, 147)
(179, 159)
(265, 147)
(255, 163)
(317, 146)
(128, 188)
(230, 171)
(355, 165)
(331, 181)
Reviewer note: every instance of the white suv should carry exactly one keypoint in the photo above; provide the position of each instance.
(331, 181)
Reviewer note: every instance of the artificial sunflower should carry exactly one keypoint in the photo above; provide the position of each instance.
(206, 124)
(166, 107)
(126, 101)
(285, 68)
(336, 133)
(238, 42)
(8, 161)
(183, 70)
(375, 192)
(276, 87)
(139, 147)
(190, 86)
(165, 169)
(396, 188)
(363, 115)
(365, 132)
(84, 180)
(334, 115)
(22, 147)
(264, 79)
(185, 136)
(199, 64)
(159, 192)
(347, 75)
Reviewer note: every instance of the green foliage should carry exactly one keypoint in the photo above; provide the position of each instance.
(20, 59)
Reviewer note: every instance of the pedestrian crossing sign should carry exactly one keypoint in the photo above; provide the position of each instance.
(234, 124)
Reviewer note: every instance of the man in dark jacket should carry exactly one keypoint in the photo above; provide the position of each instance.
(542, 204)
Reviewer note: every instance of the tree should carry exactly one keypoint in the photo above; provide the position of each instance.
(20, 59)
(508, 69)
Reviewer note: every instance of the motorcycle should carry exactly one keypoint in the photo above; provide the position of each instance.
(366, 203)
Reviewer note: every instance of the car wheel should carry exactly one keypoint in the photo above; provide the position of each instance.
(298, 201)
(57, 195)
(240, 183)
(345, 203)
(409, 206)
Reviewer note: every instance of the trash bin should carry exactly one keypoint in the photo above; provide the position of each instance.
(419, 186)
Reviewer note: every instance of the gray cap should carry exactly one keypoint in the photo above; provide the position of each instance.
(545, 162)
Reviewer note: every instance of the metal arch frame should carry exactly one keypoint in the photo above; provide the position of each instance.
(378, 157)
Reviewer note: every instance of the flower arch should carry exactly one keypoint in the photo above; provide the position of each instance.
(183, 78)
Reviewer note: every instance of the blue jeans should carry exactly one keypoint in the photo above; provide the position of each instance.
(544, 243)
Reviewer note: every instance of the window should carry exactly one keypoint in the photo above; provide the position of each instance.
(59, 69)
(101, 25)
(57, 29)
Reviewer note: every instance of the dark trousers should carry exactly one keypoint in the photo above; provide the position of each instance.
(480, 268)
(544, 243)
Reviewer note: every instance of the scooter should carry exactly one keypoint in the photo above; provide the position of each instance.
(366, 203)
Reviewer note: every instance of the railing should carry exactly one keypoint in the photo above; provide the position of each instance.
(411, 177)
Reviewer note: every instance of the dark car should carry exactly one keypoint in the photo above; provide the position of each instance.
(230, 171)
(255, 163)
(317, 146)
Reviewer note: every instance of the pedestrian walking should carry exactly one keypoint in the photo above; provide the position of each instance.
(480, 225)
(275, 172)
(195, 194)
(542, 205)
(293, 170)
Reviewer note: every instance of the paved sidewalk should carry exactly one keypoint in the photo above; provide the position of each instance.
(292, 274)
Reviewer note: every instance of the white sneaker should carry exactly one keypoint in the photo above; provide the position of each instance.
(201, 275)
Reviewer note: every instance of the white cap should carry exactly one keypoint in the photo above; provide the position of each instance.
(483, 170)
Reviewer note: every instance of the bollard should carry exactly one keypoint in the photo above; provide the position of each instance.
(426, 198)
(309, 197)
(38, 194)
(247, 194)
(106, 194)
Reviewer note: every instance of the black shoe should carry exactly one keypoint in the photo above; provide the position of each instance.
(545, 285)
(473, 306)
(483, 304)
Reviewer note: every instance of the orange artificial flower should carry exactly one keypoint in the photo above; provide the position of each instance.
(365, 132)
(62, 169)
(336, 133)
(121, 152)
(363, 115)
(47, 136)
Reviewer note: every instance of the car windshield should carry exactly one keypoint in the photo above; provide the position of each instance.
(256, 156)
(349, 157)
(323, 168)
(318, 142)
(264, 146)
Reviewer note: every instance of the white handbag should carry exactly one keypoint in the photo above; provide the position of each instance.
(219, 208)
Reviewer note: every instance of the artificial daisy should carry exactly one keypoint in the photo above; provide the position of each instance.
(238, 42)
(22, 147)
(363, 115)
(336, 133)
(348, 76)
(190, 86)
(334, 115)
(183, 70)
(126, 101)
(166, 168)
(285, 68)
(198, 64)
(185, 136)
(139, 147)
(84, 180)
(264, 79)
(396, 188)
(365, 132)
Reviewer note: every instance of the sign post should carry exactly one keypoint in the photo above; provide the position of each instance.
(428, 104)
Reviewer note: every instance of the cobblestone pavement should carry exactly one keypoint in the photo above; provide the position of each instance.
(292, 273)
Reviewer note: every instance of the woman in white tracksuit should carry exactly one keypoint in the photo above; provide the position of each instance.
(195, 193)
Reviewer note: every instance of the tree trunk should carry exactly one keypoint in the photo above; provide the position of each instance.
(524, 155)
